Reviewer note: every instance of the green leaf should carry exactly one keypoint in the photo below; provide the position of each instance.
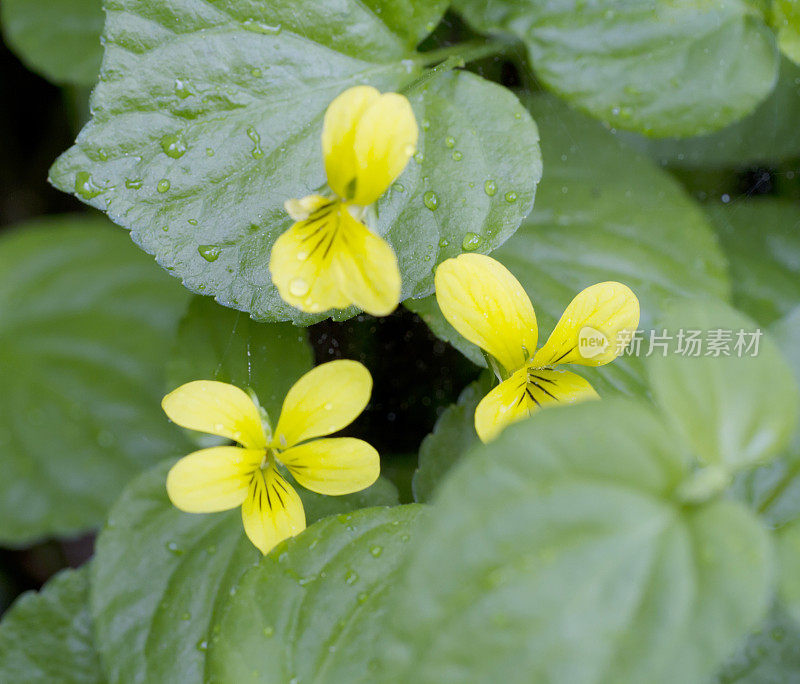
(788, 544)
(762, 242)
(770, 134)
(785, 19)
(453, 435)
(603, 212)
(774, 489)
(309, 610)
(735, 410)
(215, 343)
(199, 135)
(46, 636)
(559, 555)
(660, 67)
(159, 576)
(59, 39)
(85, 322)
(771, 655)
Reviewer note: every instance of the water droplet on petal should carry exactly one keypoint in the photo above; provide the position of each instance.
(490, 188)
(163, 185)
(298, 287)
(449, 141)
(351, 577)
(457, 155)
(376, 551)
(511, 197)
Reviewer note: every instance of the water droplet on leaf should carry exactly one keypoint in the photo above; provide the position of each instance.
(430, 200)
(86, 187)
(471, 242)
(209, 252)
(173, 146)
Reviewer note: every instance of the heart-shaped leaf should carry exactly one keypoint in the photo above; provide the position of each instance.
(308, 611)
(59, 39)
(733, 396)
(770, 134)
(159, 577)
(47, 637)
(207, 118)
(85, 323)
(558, 554)
(660, 67)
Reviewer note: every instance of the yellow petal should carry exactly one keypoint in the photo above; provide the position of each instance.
(367, 268)
(339, 135)
(301, 209)
(524, 392)
(334, 466)
(213, 479)
(326, 399)
(595, 328)
(331, 261)
(484, 302)
(386, 137)
(217, 408)
(272, 510)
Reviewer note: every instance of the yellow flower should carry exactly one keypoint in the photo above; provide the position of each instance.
(323, 401)
(484, 302)
(329, 259)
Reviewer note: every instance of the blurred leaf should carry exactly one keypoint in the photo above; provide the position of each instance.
(46, 636)
(215, 343)
(159, 576)
(59, 39)
(771, 655)
(310, 609)
(453, 435)
(774, 489)
(207, 118)
(558, 554)
(735, 410)
(761, 238)
(769, 135)
(85, 322)
(788, 544)
(786, 22)
(603, 212)
(660, 67)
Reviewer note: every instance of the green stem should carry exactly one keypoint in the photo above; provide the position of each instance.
(463, 52)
